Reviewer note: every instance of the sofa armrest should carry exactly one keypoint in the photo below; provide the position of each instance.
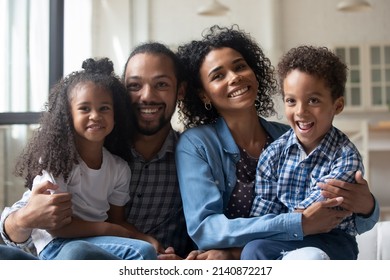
(375, 244)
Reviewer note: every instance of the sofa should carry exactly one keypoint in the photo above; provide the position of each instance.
(375, 244)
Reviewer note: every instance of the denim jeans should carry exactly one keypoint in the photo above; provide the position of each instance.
(98, 248)
(11, 253)
(337, 245)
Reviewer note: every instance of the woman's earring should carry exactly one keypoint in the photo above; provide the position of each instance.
(257, 102)
(208, 106)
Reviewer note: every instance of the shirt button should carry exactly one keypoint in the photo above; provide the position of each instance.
(295, 235)
(139, 195)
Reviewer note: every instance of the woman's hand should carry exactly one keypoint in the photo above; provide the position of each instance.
(321, 217)
(215, 254)
(169, 254)
(357, 197)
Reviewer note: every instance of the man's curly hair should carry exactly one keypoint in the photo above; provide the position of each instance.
(52, 146)
(317, 61)
(191, 109)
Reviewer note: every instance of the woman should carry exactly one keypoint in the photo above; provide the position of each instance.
(229, 91)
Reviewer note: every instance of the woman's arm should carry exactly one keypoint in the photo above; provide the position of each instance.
(202, 190)
(357, 199)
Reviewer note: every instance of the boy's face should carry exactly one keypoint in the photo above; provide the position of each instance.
(151, 81)
(309, 107)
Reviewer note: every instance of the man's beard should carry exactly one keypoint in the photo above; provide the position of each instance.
(151, 130)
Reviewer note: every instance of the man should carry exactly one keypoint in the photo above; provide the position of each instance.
(153, 78)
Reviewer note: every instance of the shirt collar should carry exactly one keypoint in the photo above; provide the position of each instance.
(168, 146)
(325, 147)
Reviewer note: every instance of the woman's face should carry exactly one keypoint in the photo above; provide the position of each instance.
(228, 81)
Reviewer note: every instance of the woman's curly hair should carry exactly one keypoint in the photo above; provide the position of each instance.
(191, 109)
(317, 61)
(52, 146)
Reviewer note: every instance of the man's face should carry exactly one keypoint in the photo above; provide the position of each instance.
(151, 81)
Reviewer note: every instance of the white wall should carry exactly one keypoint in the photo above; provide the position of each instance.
(96, 28)
(318, 22)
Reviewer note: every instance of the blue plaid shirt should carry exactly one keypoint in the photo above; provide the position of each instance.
(286, 177)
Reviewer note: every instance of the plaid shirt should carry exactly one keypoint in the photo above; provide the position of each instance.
(287, 178)
(155, 205)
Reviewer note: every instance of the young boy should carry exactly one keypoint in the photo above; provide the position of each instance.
(313, 83)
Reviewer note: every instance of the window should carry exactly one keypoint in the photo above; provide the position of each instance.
(380, 75)
(368, 83)
(353, 94)
(24, 83)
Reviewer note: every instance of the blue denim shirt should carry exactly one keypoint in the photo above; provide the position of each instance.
(206, 158)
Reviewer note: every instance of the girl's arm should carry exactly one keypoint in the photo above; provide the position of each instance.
(116, 215)
(80, 228)
(112, 226)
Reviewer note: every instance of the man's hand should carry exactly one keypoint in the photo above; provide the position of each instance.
(357, 197)
(321, 218)
(46, 211)
(43, 210)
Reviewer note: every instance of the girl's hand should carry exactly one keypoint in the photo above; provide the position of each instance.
(159, 248)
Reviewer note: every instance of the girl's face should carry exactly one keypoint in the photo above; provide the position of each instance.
(309, 107)
(92, 111)
(228, 81)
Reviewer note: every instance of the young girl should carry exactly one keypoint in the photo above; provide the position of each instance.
(81, 147)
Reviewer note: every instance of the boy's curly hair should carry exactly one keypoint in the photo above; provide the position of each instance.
(316, 61)
(52, 146)
(192, 55)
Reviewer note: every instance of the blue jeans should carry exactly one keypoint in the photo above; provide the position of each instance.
(336, 244)
(98, 248)
(12, 253)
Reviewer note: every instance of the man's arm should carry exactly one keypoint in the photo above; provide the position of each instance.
(42, 210)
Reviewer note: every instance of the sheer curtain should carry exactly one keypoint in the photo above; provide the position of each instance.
(24, 63)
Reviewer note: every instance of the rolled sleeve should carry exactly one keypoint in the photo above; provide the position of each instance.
(5, 214)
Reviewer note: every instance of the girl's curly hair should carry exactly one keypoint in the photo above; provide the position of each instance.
(52, 146)
(316, 61)
(191, 109)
